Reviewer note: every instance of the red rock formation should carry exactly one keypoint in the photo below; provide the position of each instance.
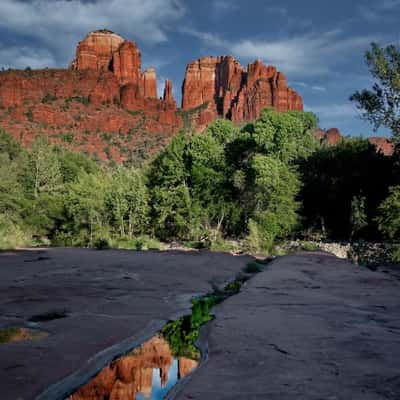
(384, 145)
(126, 63)
(168, 97)
(105, 92)
(225, 89)
(96, 50)
(105, 51)
(333, 136)
(150, 83)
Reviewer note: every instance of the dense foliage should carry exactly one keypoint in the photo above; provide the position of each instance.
(265, 182)
(381, 104)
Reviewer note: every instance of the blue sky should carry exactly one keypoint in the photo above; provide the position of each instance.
(318, 44)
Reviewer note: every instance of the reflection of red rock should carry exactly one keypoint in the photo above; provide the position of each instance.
(133, 374)
(230, 91)
(333, 136)
(186, 366)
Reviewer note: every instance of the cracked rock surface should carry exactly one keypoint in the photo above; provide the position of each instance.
(309, 327)
(108, 297)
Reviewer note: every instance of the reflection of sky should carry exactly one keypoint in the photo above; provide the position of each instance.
(159, 392)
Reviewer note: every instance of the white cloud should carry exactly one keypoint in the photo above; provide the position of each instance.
(318, 88)
(306, 55)
(312, 87)
(333, 112)
(58, 24)
(22, 57)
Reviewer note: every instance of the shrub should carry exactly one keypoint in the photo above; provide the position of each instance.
(49, 98)
(395, 253)
(389, 214)
(146, 243)
(101, 243)
(68, 137)
(29, 115)
(309, 246)
(13, 235)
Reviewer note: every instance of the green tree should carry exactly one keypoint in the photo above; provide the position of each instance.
(381, 104)
(332, 176)
(276, 186)
(223, 131)
(128, 201)
(45, 167)
(389, 214)
(285, 135)
(358, 217)
(169, 189)
(85, 204)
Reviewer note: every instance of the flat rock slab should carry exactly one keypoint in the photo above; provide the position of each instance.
(309, 327)
(109, 297)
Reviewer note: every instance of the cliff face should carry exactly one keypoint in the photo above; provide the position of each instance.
(230, 91)
(103, 103)
(106, 105)
(106, 51)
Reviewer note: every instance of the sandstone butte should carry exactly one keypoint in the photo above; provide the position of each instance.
(104, 104)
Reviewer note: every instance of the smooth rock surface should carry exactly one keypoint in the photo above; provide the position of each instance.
(109, 296)
(310, 327)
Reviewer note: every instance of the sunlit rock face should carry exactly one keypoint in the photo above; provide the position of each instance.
(105, 92)
(96, 50)
(134, 374)
(231, 91)
(106, 51)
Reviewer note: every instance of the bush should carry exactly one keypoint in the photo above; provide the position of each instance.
(395, 253)
(49, 98)
(13, 235)
(389, 214)
(309, 246)
(146, 243)
(101, 244)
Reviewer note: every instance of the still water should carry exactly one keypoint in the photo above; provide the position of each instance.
(147, 373)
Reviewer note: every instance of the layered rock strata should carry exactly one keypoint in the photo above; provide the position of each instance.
(221, 87)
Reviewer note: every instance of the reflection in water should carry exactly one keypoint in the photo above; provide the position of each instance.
(151, 370)
(148, 372)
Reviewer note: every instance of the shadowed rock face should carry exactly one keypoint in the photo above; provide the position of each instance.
(233, 92)
(130, 375)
